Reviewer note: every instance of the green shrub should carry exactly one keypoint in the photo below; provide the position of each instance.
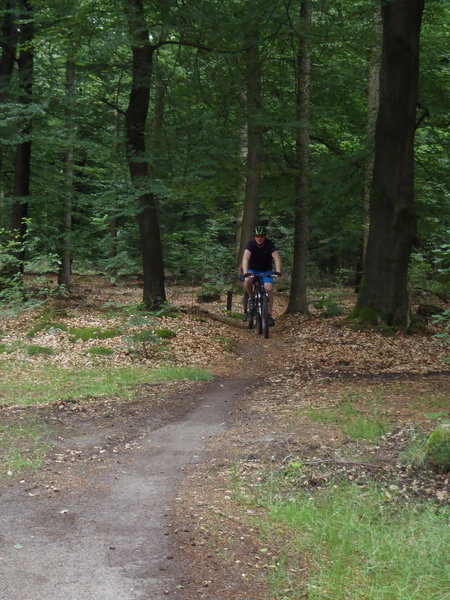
(146, 336)
(209, 292)
(437, 448)
(328, 307)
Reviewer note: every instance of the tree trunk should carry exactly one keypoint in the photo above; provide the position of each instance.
(22, 159)
(135, 120)
(65, 275)
(254, 141)
(297, 299)
(373, 95)
(9, 37)
(383, 295)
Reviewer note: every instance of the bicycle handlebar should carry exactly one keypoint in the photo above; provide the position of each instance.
(252, 275)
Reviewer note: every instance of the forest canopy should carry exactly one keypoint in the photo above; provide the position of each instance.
(219, 126)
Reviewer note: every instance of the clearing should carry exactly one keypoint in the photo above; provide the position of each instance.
(148, 496)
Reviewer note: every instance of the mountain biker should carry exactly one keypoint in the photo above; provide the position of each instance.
(258, 257)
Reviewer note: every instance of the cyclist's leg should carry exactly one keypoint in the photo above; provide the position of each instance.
(248, 291)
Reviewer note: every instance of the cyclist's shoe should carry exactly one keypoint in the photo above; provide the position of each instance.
(270, 320)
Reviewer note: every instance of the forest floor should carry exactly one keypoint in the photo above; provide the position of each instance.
(270, 407)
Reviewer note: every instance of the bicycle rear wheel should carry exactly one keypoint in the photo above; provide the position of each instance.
(265, 316)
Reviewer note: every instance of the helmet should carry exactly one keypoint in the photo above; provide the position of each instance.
(259, 230)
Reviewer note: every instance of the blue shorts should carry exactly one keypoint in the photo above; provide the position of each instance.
(267, 275)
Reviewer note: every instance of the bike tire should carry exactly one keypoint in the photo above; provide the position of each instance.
(258, 307)
(265, 316)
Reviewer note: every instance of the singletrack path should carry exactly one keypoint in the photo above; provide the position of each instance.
(110, 537)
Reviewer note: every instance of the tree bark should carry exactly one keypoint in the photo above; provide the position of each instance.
(65, 274)
(254, 141)
(373, 96)
(383, 295)
(297, 298)
(8, 44)
(22, 159)
(135, 121)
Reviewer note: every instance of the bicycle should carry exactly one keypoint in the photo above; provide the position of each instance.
(258, 306)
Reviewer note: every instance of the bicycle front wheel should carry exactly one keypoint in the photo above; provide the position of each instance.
(259, 313)
(265, 316)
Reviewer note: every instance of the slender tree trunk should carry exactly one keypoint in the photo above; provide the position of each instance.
(136, 116)
(65, 275)
(22, 159)
(117, 131)
(297, 299)
(254, 141)
(383, 295)
(9, 35)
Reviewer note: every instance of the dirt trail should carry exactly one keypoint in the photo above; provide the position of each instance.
(110, 537)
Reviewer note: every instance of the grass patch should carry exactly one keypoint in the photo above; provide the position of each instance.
(37, 386)
(432, 400)
(92, 333)
(100, 351)
(356, 424)
(35, 350)
(21, 447)
(356, 543)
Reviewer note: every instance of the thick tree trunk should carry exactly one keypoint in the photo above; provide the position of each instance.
(65, 275)
(383, 295)
(297, 298)
(22, 159)
(136, 116)
(254, 141)
(373, 96)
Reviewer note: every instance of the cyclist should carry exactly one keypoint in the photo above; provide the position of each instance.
(258, 257)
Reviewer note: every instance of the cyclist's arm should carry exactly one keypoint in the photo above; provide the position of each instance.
(246, 260)
(277, 258)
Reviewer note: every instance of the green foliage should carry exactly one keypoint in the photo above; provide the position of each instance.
(443, 319)
(358, 543)
(210, 292)
(328, 307)
(147, 341)
(437, 447)
(197, 166)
